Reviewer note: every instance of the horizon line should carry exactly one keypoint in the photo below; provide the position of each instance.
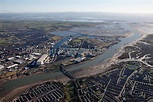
(78, 12)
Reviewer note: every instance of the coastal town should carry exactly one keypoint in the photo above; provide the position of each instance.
(19, 57)
(129, 78)
(76, 51)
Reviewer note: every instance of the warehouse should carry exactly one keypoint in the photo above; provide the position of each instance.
(42, 59)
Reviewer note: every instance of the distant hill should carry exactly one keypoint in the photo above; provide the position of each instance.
(76, 16)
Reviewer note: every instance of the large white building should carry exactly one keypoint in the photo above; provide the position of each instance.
(1, 67)
(12, 66)
(42, 59)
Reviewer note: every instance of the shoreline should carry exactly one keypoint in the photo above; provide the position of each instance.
(105, 65)
(101, 67)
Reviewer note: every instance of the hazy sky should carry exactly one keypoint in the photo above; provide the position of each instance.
(120, 6)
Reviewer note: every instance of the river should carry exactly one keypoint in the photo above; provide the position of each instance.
(46, 76)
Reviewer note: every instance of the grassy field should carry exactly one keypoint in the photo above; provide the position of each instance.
(45, 25)
(56, 38)
(13, 30)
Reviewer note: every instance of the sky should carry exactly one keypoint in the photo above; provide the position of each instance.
(115, 6)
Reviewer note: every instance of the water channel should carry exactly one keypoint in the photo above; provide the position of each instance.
(46, 76)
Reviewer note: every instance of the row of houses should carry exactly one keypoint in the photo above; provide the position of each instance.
(46, 92)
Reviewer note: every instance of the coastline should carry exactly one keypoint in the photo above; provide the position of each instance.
(101, 67)
(105, 65)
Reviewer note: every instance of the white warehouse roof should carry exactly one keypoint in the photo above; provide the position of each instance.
(42, 58)
(1, 67)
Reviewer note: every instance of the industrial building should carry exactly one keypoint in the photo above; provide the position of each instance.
(1, 67)
(42, 59)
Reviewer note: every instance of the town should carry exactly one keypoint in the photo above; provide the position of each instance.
(76, 51)
(130, 78)
(126, 81)
(46, 51)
